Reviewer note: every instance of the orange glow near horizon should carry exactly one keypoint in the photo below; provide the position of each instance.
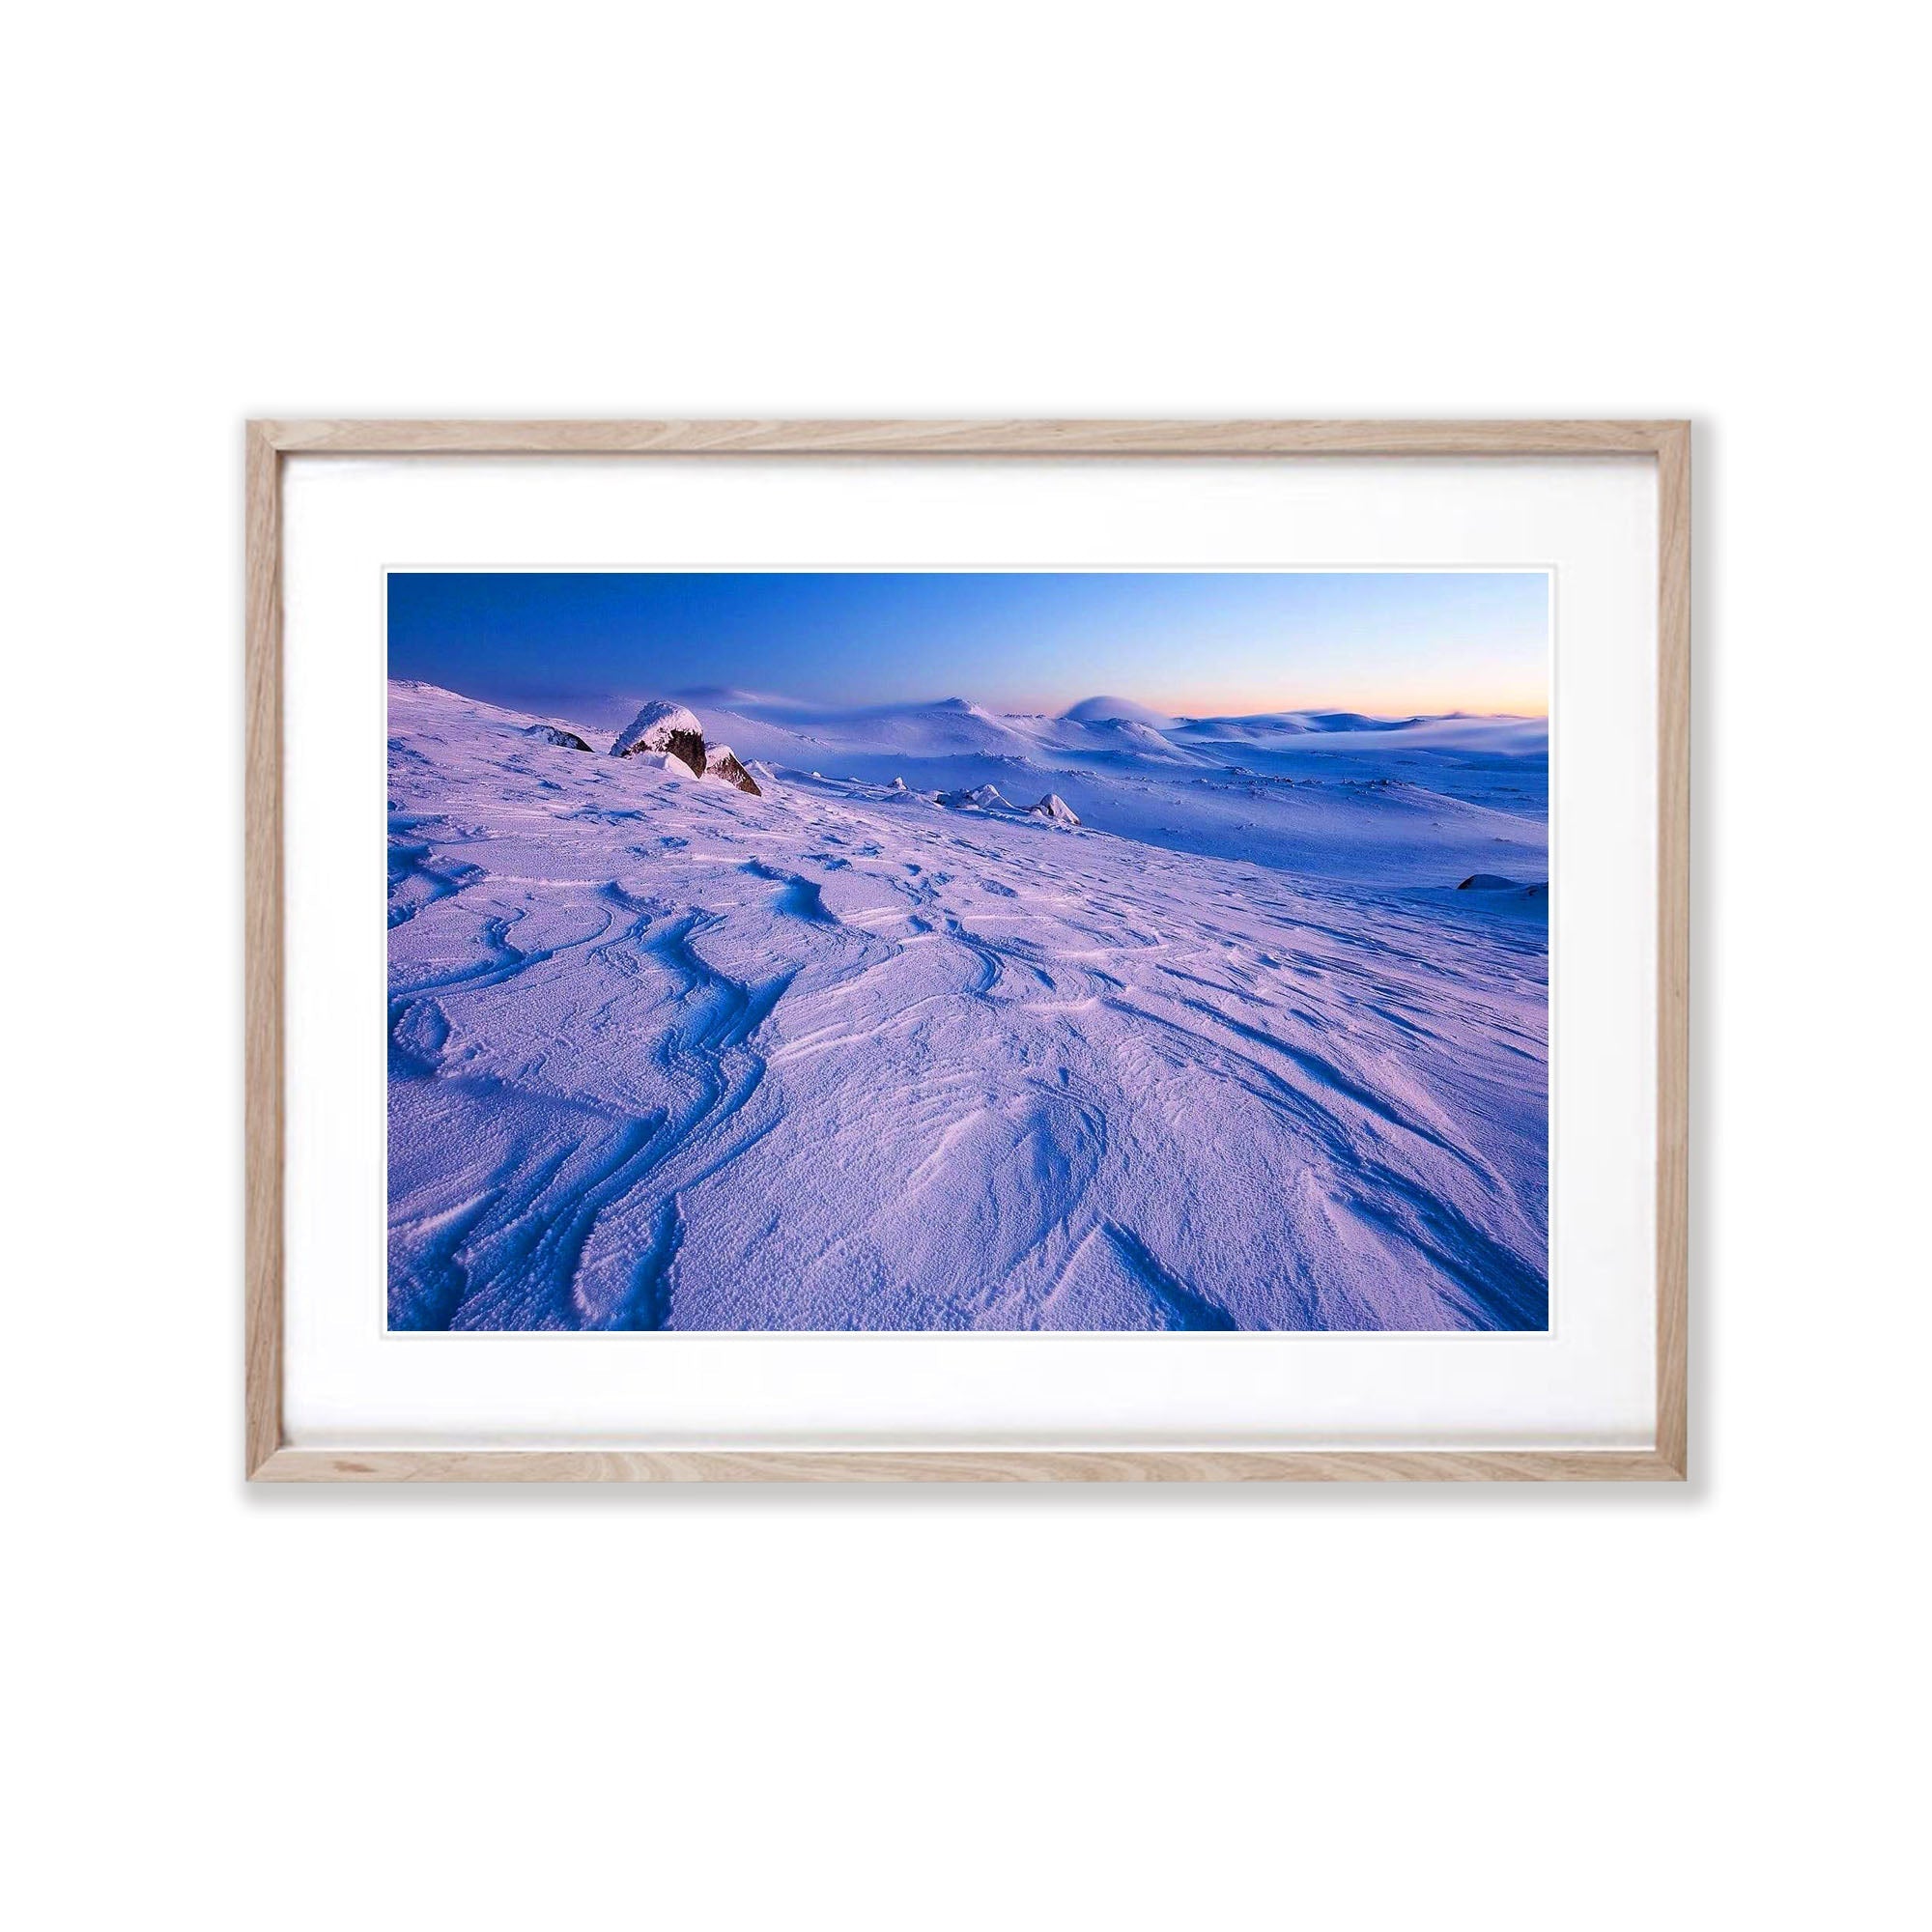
(1389, 643)
(1416, 701)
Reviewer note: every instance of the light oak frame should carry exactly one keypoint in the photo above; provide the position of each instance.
(268, 1458)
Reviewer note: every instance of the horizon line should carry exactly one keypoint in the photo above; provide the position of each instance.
(723, 698)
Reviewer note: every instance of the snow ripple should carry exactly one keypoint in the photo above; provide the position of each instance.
(664, 1054)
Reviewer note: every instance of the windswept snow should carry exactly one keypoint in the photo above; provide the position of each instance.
(1233, 1052)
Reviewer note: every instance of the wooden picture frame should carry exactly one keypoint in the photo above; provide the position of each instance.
(270, 1457)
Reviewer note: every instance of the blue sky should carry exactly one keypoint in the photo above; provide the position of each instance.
(1191, 642)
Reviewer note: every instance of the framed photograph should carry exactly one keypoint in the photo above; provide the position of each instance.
(967, 951)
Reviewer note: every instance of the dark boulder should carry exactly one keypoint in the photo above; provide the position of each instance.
(667, 727)
(719, 763)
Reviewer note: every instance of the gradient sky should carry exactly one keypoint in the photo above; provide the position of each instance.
(1196, 643)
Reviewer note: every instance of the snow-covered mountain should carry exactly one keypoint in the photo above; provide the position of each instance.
(1110, 710)
(1216, 1043)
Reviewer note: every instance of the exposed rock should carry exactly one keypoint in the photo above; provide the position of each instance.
(719, 763)
(1055, 808)
(667, 727)
(1501, 892)
(555, 735)
(986, 797)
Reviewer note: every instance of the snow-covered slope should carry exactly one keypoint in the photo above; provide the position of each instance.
(1420, 803)
(1104, 710)
(667, 1054)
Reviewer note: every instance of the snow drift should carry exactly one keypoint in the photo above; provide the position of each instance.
(677, 1055)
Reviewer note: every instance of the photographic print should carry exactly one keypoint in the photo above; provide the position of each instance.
(968, 949)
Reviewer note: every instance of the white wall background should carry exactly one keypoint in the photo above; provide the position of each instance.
(910, 1709)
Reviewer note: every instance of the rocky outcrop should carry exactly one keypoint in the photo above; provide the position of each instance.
(983, 798)
(665, 731)
(719, 763)
(1055, 808)
(1537, 892)
(667, 727)
(555, 735)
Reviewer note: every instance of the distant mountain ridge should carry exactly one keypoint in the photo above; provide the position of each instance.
(1426, 800)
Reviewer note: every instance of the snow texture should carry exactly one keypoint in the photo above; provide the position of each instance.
(1235, 1052)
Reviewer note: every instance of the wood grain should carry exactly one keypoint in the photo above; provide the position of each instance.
(960, 1466)
(262, 1327)
(1673, 946)
(269, 1459)
(1074, 438)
